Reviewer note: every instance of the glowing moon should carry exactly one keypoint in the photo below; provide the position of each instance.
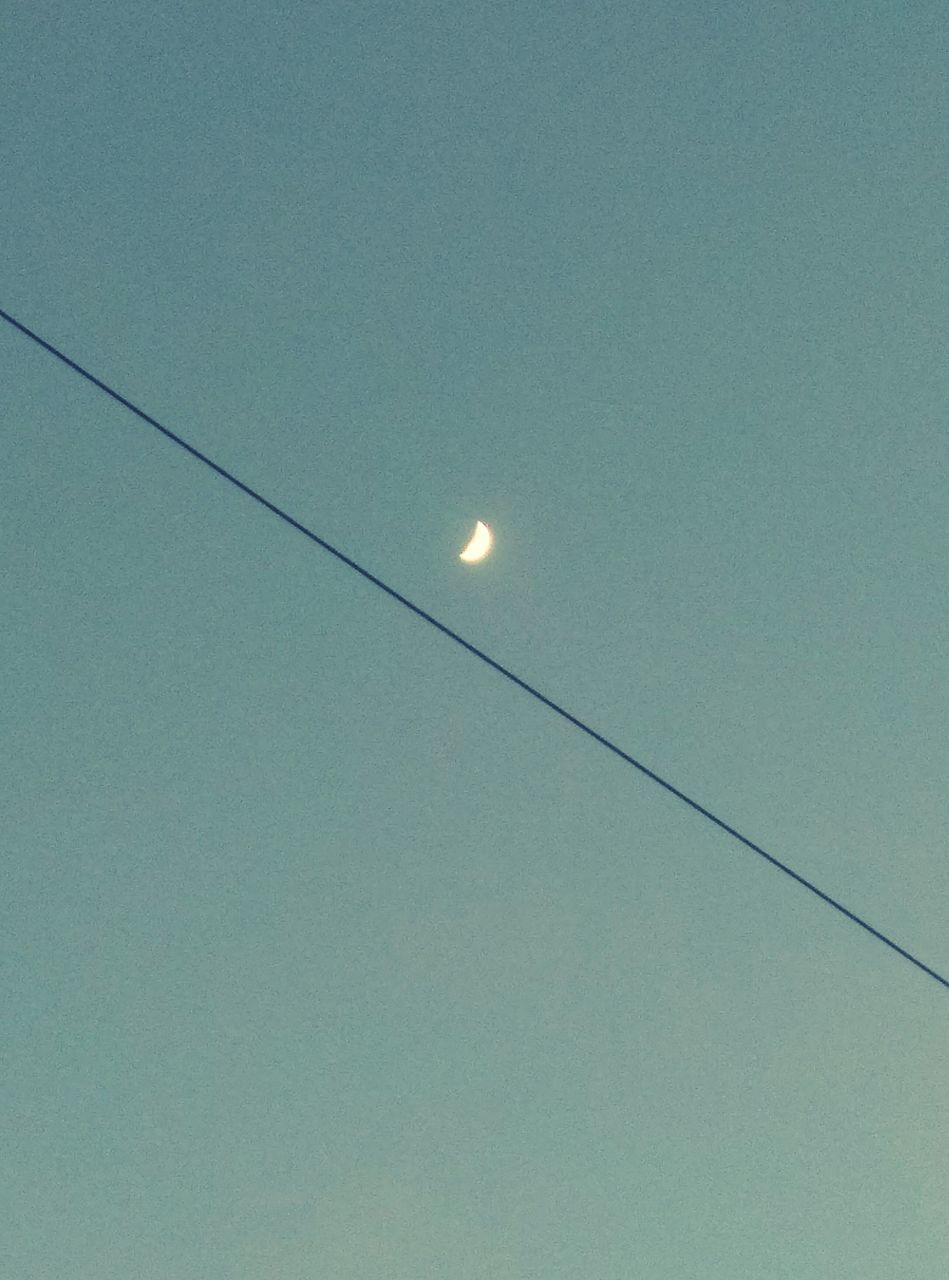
(481, 542)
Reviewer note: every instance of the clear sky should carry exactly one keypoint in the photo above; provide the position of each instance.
(327, 955)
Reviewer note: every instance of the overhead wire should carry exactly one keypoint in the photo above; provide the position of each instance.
(476, 652)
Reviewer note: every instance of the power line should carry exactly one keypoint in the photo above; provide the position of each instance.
(472, 649)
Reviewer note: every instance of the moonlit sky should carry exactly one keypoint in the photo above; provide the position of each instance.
(327, 954)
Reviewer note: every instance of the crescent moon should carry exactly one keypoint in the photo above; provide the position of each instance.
(479, 545)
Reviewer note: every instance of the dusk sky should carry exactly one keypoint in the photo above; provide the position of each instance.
(327, 954)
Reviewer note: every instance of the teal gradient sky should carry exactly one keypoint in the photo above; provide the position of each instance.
(327, 955)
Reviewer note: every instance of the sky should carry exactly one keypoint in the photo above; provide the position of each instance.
(326, 952)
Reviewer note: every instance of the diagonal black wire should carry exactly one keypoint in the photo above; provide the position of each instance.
(478, 653)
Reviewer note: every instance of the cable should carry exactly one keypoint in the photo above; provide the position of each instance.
(472, 649)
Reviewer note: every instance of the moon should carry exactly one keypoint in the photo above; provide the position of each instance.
(479, 545)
